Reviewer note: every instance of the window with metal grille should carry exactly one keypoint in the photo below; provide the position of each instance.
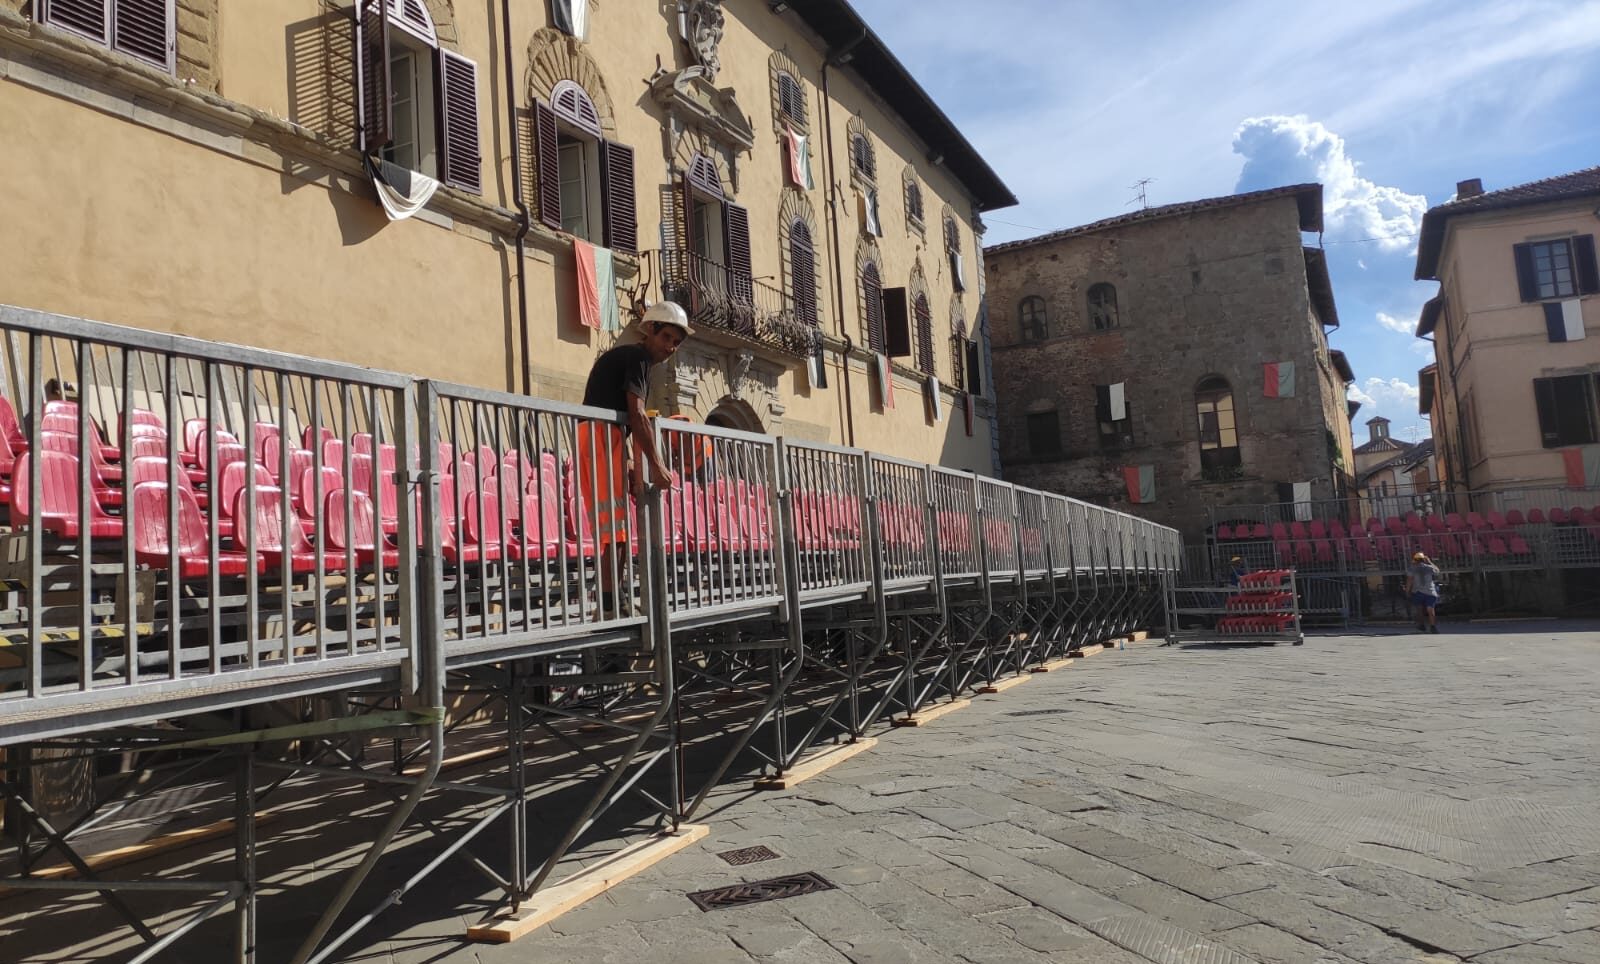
(1044, 434)
(416, 102)
(1218, 428)
(1103, 306)
(924, 321)
(1561, 268)
(145, 30)
(1033, 318)
(586, 183)
(863, 161)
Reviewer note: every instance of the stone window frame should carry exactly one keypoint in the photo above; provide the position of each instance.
(958, 344)
(1217, 458)
(1041, 316)
(923, 356)
(867, 253)
(794, 207)
(1104, 314)
(863, 153)
(781, 65)
(912, 194)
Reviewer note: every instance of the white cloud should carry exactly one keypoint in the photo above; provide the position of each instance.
(1384, 392)
(1280, 149)
(1355, 394)
(1394, 324)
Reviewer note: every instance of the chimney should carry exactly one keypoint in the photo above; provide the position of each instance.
(1471, 187)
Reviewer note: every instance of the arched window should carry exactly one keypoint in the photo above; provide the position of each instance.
(1219, 433)
(791, 100)
(585, 181)
(872, 307)
(1103, 306)
(803, 272)
(1033, 319)
(924, 321)
(913, 201)
(862, 159)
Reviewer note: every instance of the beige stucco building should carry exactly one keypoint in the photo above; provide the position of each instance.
(1516, 329)
(198, 167)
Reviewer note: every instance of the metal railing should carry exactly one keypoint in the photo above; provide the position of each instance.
(718, 296)
(905, 520)
(828, 489)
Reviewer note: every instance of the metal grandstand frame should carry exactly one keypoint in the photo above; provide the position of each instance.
(425, 572)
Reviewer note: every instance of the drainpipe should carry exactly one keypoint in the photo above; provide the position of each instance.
(833, 218)
(524, 219)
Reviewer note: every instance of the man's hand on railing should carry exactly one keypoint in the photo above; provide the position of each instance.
(660, 476)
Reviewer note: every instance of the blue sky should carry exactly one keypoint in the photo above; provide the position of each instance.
(1388, 104)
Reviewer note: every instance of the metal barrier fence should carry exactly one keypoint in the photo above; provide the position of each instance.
(828, 488)
(905, 520)
(955, 509)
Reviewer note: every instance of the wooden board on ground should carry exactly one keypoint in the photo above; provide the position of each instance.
(1000, 686)
(558, 898)
(815, 763)
(1086, 651)
(1052, 666)
(153, 847)
(932, 713)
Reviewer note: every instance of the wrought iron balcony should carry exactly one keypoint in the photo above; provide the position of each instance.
(719, 297)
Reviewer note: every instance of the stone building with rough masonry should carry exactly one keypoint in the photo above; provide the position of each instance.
(216, 170)
(1174, 359)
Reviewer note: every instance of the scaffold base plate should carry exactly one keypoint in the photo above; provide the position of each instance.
(924, 717)
(815, 763)
(1000, 686)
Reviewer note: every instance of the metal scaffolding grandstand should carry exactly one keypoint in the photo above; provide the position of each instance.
(290, 577)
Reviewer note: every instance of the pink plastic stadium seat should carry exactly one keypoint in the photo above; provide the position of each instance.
(150, 545)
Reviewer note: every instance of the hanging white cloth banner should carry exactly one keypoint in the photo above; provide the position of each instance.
(401, 191)
(571, 17)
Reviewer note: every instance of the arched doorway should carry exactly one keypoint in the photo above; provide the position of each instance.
(733, 413)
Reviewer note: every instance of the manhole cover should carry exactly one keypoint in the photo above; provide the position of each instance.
(1053, 709)
(758, 891)
(748, 855)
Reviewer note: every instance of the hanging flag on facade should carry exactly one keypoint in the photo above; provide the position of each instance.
(1302, 501)
(1111, 402)
(1141, 481)
(1583, 466)
(571, 17)
(799, 159)
(401, 191)
(957, 274)
(1278, 379)
(816, 365)
(1564, 319)
(605, 278)
(868, 204)
(930, 390)
(588, 283)
(885, 380)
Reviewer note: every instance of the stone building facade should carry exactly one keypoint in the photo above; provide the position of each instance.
(210, 169)
(1169, 317)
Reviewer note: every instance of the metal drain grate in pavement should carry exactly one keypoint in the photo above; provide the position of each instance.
(757, 891)
(748, 855)
(1053, 709)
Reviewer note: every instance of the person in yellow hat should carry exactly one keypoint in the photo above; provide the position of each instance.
(1422, 585)
(1237, 571)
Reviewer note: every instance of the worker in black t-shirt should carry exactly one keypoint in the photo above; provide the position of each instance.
(620, 381)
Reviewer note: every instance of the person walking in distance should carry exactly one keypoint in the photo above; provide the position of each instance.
(609, 468)
(1422, 585)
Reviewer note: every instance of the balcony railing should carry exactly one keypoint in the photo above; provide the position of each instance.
(719, 297)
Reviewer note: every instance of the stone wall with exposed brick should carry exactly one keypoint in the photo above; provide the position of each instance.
(1213, 292)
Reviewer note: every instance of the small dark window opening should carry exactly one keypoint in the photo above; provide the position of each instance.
(1568, 412)
(1044, 434)
(1103, 306)
(1033, 317)
(914, 202)
(1219, 434)
(924, 321)
(958, 355)
(862, 159)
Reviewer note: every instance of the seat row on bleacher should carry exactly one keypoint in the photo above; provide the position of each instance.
(495, 504)
(1449, 535)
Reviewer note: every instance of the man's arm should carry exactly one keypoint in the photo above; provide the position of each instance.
(644, 441)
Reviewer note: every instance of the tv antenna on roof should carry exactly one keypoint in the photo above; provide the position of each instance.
(1141, 200)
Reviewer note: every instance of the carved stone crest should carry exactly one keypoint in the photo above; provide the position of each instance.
(738, 368)
(702, 28)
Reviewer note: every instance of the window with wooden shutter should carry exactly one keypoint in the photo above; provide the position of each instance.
(791, 101)
(958, 354)
(374, 97)
(897, 322)
(143, 29)
(862, 160)
(460, 163)
(872, 307)
(1568, 413)
(620, 199)
(547, 149)
(1583, 255)
(924, 319)
(803, 272)
(913, 202)
(574, 105)
(975, 367)
(736, 226)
